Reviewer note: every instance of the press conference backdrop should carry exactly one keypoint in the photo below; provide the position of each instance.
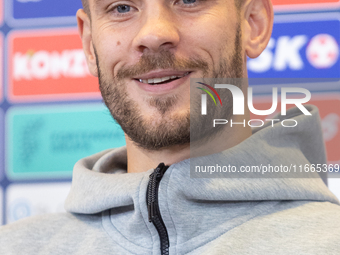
(52, 114)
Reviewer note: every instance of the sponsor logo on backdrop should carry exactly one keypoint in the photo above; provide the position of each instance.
(322, 51)
(45, 65)
(308, 49)
(36, 12)
(42, 65)
(46, 142)
(289, 5)
(329, 109)
(24, 200)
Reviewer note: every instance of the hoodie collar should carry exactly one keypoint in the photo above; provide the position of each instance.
(96, 187)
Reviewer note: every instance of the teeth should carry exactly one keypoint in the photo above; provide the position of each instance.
(159, 80)
(165, 78)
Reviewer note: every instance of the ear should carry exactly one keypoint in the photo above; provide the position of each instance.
(258, 26)
(84, 28)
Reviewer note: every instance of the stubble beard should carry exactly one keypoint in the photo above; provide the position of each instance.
(169, 128)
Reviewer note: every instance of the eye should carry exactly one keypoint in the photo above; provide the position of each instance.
(123, 8)
(189, 1)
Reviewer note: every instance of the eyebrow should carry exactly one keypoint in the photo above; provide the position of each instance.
(96, 3)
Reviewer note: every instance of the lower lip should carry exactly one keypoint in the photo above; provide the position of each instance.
(162, 88)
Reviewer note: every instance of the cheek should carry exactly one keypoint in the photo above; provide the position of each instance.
(111, 55)
(112, 49)
(210, 36)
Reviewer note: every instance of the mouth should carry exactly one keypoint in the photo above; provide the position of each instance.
(162, 80)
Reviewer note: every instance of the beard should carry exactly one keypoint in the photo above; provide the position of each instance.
(169, 128)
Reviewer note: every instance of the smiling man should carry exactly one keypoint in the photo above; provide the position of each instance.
(140, 199)
(145, 53)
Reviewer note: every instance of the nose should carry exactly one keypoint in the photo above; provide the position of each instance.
(158, 31)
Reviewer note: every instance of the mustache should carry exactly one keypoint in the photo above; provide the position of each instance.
(161, 60)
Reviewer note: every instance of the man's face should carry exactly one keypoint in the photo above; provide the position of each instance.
(147, 51)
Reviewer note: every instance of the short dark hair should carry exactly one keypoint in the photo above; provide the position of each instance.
(86, 6)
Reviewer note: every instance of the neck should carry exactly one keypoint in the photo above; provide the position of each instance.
(141, 160)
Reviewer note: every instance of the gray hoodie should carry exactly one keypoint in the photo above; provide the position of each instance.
(108, 213)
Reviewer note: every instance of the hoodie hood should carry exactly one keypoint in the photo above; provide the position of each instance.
(193, 206)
